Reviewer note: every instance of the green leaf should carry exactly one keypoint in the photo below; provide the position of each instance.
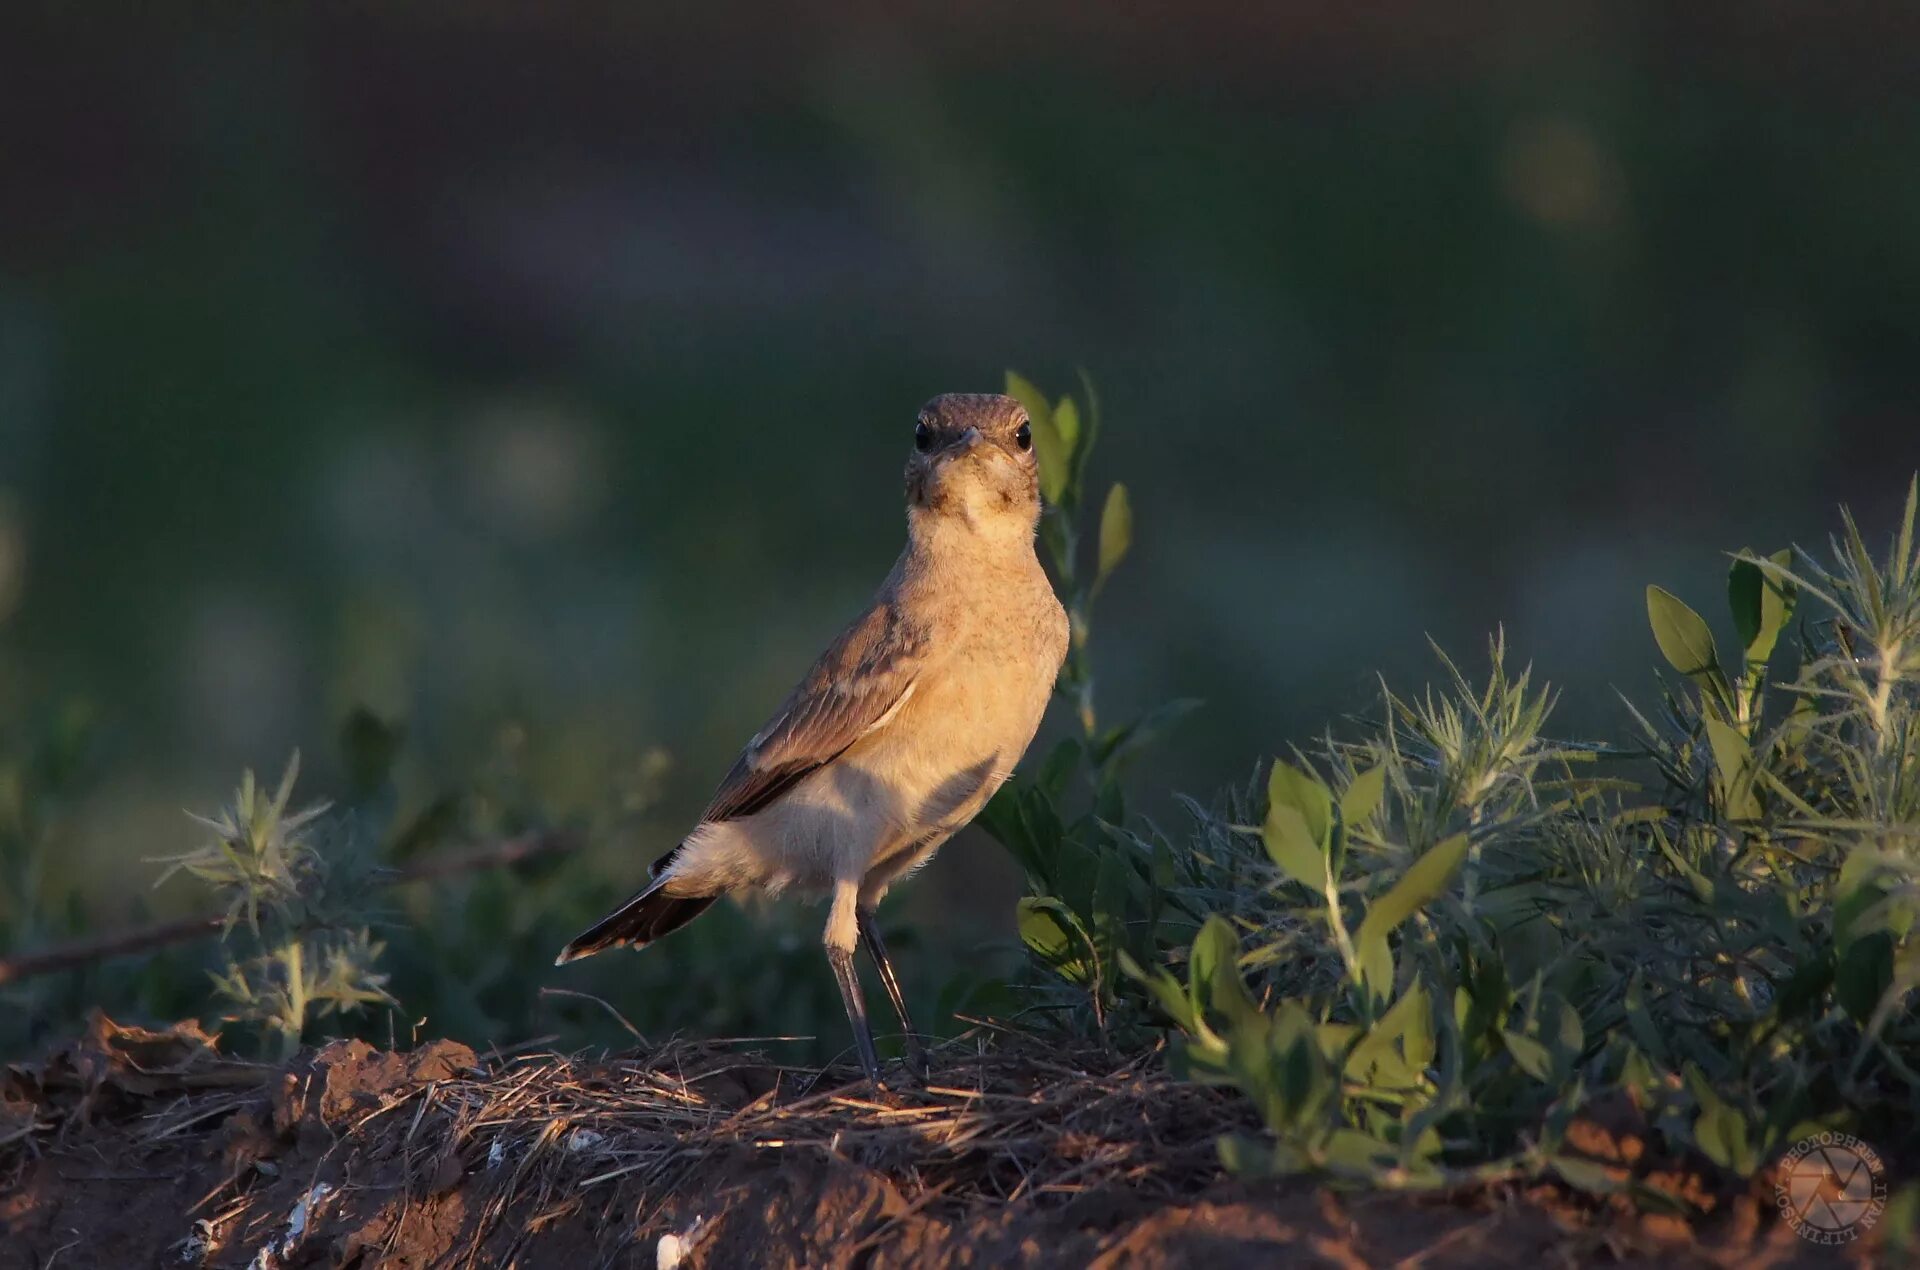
(1583, 1175)
(1165, 990)
(1682, 634)
(1529, 1055)
(1248, 1157)
(1863, 974)
(1058, 767)
(1066, 421)
(1362, 798)
(1745, 583)
(1423, 882)
(1720, 1130)
(1762, 603)
(1116, 533)
(1409, 1022)
(1733, 758)
(1113, 890)
(1047, 443)
(1213, 970)
(1375, 963)
(1702, 885)
(1122, 743)
(1640, 1021)
(1417, 1038)
(1022, 390)
(369, 746)
(1292, 847)
(1023, 820)
(1572, 1040)
(1353, 1152)
(1057, 938)
(1721, 1134)
(1288, 786)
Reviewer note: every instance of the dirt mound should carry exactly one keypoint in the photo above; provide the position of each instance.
(134, 1148)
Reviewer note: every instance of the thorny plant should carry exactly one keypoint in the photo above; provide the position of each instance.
(297, 945)
(1444, 937)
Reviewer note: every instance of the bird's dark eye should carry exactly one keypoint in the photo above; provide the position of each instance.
(1024, 437)
(922, 437)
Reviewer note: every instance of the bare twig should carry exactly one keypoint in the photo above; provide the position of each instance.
(124, 943)
(618, 1017)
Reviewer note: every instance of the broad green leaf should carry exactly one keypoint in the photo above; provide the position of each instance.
(1410, 1023)
(1362, 798)
(1304, 1080)
(1423, 882)
(1777, 600)
(1213, 970)
(1056, 936)
(1863, 974)
(1353, 1152)
(1116, 532)
(1733, 758)
(1022, 390)
(1583, 1175)
(1058, 767)
(1682, 634)
(1573, 1034)
(1293, 848)
(1114, 884)
(1248, 1157)
(1762, 603)
(1123, 742)
(1288, 786)
(1417, 1037)
(1166, 991)
(1528, 1054)
(1640, 1021)
(1376, 963)
(1745, 583)
(1721, 1134)
(1066, 421)
(1047, 444)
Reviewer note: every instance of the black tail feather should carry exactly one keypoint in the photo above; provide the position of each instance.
(637, 923)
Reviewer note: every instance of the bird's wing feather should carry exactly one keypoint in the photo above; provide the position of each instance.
(856, 686)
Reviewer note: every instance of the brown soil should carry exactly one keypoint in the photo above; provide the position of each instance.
(134, 1148)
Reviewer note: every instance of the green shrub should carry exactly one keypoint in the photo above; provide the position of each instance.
(1446, 934)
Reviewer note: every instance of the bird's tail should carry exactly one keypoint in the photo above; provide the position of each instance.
(638, 922)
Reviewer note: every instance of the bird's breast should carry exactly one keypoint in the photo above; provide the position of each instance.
(972, 715)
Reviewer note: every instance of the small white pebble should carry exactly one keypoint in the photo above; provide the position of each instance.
(297, 1221)
(674, 1249)
(584, 1140)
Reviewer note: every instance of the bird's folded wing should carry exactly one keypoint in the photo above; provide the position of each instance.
(856, 686)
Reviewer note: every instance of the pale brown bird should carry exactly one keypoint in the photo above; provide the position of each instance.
(903, 729)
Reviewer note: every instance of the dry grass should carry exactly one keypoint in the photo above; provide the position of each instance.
(545, 1137)
(1018, 1152)
(998, 1124)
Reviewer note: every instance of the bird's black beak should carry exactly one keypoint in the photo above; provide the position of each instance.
(966, 443)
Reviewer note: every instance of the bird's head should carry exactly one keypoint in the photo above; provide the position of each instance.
(973, 461)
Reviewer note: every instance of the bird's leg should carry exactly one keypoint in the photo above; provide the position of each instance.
(877, 949)
(842, 928)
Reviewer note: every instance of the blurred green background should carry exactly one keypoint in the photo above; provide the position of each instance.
(541, 378)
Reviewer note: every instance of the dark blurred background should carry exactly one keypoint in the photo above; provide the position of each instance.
(540, 376)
